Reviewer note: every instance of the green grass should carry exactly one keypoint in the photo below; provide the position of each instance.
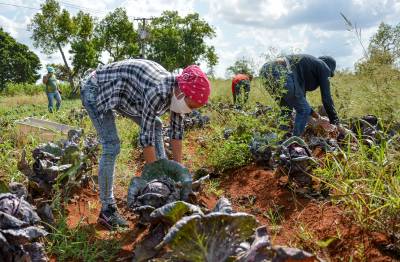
(81, 244)
(367, 182)
(212, 187)
(354, 95)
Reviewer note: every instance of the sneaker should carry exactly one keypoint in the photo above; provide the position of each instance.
(111, 219)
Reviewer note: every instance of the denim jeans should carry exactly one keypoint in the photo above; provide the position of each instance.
(291, 98)
(108, 138)
(54, 95)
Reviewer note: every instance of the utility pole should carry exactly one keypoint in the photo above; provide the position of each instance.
(143, 34)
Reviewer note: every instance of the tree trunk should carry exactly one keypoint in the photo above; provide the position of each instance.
(70, 77)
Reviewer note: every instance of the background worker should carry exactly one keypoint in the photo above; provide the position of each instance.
(52, 89)
(288, 79)
(241, 88)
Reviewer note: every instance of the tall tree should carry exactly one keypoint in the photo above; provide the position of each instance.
(83, 48)
(383, 50)
(241, 66)
(17, 63)
(52, 29)
(387, 38)
(116, 35)
(176, 42)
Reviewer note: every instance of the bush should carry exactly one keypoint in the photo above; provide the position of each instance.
(13, 89)
(230, 155)
(234, 151)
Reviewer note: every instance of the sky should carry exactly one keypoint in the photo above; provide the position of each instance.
(251, 29)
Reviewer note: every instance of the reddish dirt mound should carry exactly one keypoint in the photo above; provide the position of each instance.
(316, 226)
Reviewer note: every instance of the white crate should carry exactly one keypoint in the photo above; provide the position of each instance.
(44, 129)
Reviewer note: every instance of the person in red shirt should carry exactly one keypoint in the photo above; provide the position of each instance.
(241, 82)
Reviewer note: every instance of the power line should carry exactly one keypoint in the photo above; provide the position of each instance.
(65, 3)
(82, 8)
(98, 12)
(21, 6)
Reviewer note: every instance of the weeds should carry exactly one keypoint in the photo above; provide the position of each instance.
(368, 183)
(80, 244)
(275, 217)
(212, 187)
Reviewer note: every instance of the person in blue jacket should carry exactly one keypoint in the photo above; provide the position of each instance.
(289, 78)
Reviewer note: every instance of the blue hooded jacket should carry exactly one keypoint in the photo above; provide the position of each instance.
(310, 73)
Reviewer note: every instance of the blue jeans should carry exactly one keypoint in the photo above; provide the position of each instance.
(291, 98)
(108, 138)
(54, 95)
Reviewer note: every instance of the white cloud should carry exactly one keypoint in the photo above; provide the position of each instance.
(286, 13)
(10, 26)
(148, 8)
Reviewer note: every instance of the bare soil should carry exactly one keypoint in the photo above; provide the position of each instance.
(305, 222)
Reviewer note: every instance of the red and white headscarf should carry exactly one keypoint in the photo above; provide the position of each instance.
(194, 83)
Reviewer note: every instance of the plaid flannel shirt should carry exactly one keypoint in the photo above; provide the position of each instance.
(138, 87)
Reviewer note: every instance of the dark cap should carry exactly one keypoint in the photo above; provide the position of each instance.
(330, 62)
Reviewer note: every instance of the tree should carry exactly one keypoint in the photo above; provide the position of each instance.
(52, 29)
(241, 66)
(115, 35)
(17, 63)
(386, 40)
(83, 48)
(383, 49)
(176, 42)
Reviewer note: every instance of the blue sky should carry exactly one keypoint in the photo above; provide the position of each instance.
(244, 28)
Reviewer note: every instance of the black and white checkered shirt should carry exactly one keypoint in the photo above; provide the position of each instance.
(141, 88)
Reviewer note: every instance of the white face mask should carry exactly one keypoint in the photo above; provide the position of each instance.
(179, 105)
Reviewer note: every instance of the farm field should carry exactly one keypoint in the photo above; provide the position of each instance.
(358, 220)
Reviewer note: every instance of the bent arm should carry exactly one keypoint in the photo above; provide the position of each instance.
(327, 101)
(177, 150)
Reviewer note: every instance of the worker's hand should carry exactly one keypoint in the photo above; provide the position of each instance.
(340, 128)
(315, 115)
(45, 79)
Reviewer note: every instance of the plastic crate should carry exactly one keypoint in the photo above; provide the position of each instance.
(44, 129)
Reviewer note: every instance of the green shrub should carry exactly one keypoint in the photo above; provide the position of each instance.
(13, 89)
(234, 152)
